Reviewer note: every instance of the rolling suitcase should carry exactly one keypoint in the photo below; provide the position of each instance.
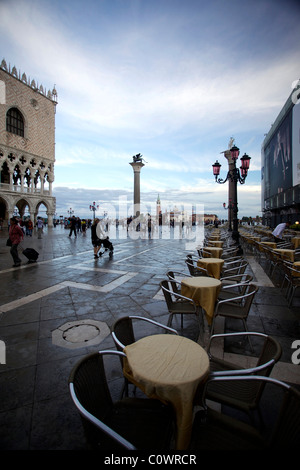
(108, 246)
(31, 254)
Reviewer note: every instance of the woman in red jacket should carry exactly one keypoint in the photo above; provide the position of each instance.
(16, 235)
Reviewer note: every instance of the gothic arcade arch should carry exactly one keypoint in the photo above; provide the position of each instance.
(3, 209)
(38, 211)
(21, 204)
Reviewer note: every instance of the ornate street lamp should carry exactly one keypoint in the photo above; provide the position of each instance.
(71, 212)
(93, 208)
(234, 175)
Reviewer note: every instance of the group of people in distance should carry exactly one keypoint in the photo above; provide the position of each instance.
(16, 236)
(98, 237)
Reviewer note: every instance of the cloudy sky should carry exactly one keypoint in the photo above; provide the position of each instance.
(173, 80)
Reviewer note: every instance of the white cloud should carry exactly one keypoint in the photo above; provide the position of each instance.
(161, 78)
(211, 196)
(124, 89)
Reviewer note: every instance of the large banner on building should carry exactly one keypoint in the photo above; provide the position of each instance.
(278, 171)
(296, 144)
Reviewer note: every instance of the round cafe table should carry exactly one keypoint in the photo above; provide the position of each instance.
(213, 250)
(252, 240)
(256, 239)
(212, 265)
(216, 243)
(214, 237)
(170, 368)
(204, 291)
(285, 253)
(296, 265)
(263, 246)
(269, 244)
(296, 242)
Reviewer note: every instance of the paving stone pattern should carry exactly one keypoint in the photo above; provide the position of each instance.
(68, 289)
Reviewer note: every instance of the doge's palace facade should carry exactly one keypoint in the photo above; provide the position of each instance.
(27, 145)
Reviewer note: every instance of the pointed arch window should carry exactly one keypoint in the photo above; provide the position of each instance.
(15, 122)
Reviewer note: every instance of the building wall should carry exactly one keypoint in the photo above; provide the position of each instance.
(33, 155)
(39, 115)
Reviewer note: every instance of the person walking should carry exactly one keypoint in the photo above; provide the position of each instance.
(29, 228)
(96, 242)
(73, 226)
(16, 235)
(40, 226)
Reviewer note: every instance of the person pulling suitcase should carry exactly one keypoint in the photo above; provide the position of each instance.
(99, 238)
(16, 236)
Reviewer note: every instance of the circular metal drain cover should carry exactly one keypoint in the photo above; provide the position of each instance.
(80, 334)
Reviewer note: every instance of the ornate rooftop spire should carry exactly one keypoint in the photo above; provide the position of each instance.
(31, 83)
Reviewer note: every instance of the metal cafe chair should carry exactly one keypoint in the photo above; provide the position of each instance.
(195, 270)
(123, 329)
(240, 395)
(177, 276)
(178, 304)
(129, 423)
(237, 307)
(216, 431)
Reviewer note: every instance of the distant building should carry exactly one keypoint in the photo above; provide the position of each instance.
(27, 146)
(280, 189)
(210, 218)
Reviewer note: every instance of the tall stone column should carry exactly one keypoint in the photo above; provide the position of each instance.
(137, 166)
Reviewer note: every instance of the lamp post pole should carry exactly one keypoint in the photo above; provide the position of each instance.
(234, 175)
(229, 209)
